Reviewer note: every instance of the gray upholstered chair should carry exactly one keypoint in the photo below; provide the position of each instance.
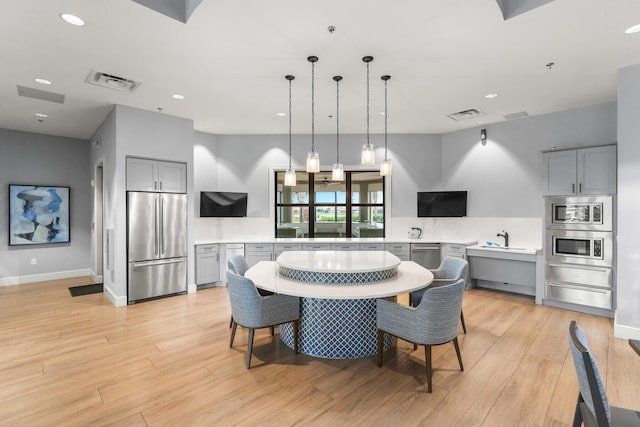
(252, 310)
(434, 321)
(451, 270)
(237, 264)
(593, 407)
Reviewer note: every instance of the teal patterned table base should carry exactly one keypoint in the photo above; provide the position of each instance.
(336, 328)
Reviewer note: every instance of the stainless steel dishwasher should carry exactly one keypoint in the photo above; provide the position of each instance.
(426, 254)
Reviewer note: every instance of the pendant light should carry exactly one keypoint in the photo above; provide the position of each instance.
(385, 166)
(290, 175)
(337, 174)
(368, 153)
(313, 159)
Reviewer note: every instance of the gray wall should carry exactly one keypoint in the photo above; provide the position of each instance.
(504, 177)
(138, 133)
(243, 163)
(628, 313)
(30, 158)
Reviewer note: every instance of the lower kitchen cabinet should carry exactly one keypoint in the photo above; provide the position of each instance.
(207, 264)
(401, 250)
(503, 271)
(256, 252)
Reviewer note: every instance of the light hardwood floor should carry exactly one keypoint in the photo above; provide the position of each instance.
(80, 361)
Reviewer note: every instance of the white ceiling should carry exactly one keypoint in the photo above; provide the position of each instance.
(230, 59)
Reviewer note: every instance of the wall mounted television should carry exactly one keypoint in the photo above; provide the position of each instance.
(442, 203)
(222, 204)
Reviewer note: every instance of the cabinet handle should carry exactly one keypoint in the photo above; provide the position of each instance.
(160, 185)
(573, 188)
(218, 257)
(155, 185)
(580, 190)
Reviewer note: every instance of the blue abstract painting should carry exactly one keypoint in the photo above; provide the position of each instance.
(38, 214)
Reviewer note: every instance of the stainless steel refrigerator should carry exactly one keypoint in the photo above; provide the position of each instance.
(157, 244)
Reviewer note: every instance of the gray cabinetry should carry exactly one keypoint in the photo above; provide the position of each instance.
(504, 271)
(372, 246)
(255, 252)
(345, 246)
(207, 264)
(581, 171)
(156, 175)
(316, 246)
(401, 250)
(278, 248)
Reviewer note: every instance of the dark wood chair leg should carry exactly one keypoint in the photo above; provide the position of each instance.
(427, 357)
(250, 347)
(273, 330)
(455, 344)
(296, 331)
(464, 327)
(234, 326)
(231, 321)
(380, 346)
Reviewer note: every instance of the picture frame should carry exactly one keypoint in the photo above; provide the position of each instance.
(39, 214)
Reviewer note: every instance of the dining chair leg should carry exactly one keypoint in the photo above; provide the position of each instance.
(380, 346)
(464, 327)
(296, 338)
(231, 321)
(427, 357)
(577, 417)
(455, 344)
(234, 326)
(250, 347)
(273, 330)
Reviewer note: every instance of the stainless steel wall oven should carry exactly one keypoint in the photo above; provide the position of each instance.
(579, 251)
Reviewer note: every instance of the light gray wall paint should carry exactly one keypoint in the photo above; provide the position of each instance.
(30, 158)
(140, 133)
(628, 271)
(504, 177)
(243, 163)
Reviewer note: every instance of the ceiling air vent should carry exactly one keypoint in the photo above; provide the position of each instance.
(110, 81)
(466, 114)
(517, 115)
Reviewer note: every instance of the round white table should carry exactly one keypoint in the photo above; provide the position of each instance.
(338, 296)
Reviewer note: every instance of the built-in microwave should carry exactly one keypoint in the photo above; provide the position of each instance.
(579, 247)
(579, 213)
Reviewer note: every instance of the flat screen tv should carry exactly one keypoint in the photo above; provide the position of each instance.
(222, 204)
(442, 203)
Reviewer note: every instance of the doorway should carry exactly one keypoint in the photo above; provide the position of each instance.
(98, 223)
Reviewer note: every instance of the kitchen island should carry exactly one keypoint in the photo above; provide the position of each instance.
(338, 292)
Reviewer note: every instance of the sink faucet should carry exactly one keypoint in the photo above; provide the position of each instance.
(506, 238)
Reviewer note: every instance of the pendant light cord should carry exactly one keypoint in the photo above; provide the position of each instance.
(385, 120)
(337, 119)
(313, 144)
(367, 104)
(290, 123)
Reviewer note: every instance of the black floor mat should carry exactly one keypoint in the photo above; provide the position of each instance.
(76, 291)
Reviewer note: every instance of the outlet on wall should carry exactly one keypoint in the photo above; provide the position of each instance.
(34, 261)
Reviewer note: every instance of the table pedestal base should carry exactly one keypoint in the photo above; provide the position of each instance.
(336, 328)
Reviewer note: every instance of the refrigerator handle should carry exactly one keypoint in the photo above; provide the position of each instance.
(161, 227)
(155, 227)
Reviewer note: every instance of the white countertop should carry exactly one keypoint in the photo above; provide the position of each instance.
(502, 249)
(338, 261)
(410, 277)
(258, 239)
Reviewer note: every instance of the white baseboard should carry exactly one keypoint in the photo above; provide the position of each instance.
(19, 280)
(625, 332)
(192, 289)
(115, 300)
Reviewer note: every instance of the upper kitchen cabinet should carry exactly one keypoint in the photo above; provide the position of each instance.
(581, 171)
(156, 175)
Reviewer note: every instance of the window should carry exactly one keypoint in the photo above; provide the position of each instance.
(319, 207)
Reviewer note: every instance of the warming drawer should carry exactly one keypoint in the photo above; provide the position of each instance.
(591, 297)
(579, 275)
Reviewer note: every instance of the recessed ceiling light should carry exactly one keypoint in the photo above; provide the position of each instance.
(72, 19)
(281, 114)
(177, 96)
(633, 29)
(42, 81)
(44, 116)
(491, 95)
